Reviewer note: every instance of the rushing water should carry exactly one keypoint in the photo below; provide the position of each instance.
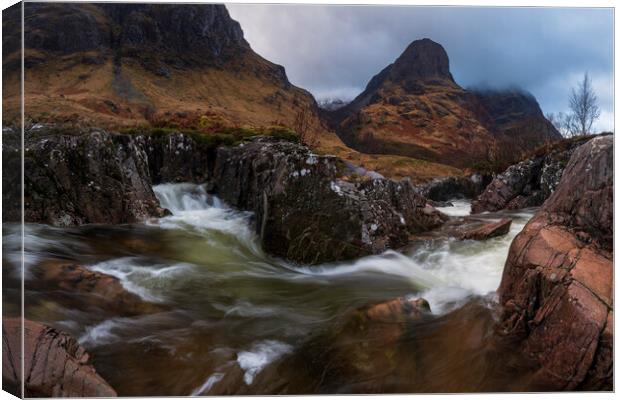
(229, 311)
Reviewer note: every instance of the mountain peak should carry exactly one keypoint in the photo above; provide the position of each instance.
(422, 60)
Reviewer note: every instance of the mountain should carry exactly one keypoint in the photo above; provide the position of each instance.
(413, 107)
(129, 64)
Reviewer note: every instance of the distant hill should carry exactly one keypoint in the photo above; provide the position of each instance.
(414, 108)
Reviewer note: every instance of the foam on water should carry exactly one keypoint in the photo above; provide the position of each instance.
(211, 380)
(459, 208)
(139, 276)
(39, 241)
(390, 262)
(102, 333)
(259, 356)
(193, 208)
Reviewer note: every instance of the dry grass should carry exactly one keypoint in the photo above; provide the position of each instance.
(69, 91)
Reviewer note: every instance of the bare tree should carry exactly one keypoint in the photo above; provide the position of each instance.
(584, 107)
(302, 126)
(552, 117)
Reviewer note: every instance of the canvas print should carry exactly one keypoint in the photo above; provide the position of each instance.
(247, 199)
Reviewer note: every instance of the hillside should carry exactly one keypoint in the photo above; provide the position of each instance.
(414, 108)
(125, 65)
(131, 64)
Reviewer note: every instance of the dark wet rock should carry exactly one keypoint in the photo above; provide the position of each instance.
(528, 183)
(454, 187)
(307, 208)
(11, 175)
(55, 364)
(177, 157)
(517, 187)
(557, 287)
(90, 289)
(304, 209)
(86, 178)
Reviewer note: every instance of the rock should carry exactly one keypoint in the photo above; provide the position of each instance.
(95, 177)
(91, 289)
(489, 230)
(528, 183)
(361, 354)
(177, 157)
(556, 290)
(165, 29)
(304, 209)
(55, 365)
(517, 184)
(467, 228)
(307, 208)
(454, 187)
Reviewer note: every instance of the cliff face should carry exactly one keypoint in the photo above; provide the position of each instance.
(128, 64)
(415, 108)
(557, 287)
(308, 208)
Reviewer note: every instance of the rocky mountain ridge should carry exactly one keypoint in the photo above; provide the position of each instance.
(414, 107)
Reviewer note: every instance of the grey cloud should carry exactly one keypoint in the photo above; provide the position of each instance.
(334, 50)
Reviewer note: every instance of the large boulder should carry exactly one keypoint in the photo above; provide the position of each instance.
(55, 365)
(528, 183)
(95, 177)
(557, 287)
(307, 211)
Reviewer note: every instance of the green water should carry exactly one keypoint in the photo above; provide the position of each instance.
(233, 320)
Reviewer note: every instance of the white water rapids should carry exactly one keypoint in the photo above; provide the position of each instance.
(227, 301)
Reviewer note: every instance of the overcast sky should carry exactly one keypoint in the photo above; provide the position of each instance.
(333, 51)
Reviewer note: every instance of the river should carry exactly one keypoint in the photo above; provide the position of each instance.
(227, 306)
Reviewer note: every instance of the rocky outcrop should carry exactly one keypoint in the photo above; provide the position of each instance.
(488, 231)
(93, 290)
(528, 183)
(557, 287)
(306, 210)
(468, 228)
(414, 108)
(517, 187)
(454, 187)
(86, 178)
(55, 365)
(177, 157)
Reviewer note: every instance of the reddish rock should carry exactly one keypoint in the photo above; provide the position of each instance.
(464, 228)
(556, 290)
(95, 289)
(489, 230)
(55, 364)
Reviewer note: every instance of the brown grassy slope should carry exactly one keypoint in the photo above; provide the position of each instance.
(128, 81)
